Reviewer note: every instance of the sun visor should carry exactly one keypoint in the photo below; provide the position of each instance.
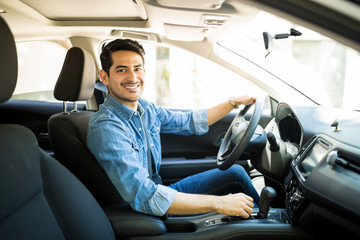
(68, 10)
(185, 32)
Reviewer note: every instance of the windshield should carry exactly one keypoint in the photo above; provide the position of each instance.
(324, 70)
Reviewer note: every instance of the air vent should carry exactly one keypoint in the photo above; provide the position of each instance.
(324, 142)
(343, 159)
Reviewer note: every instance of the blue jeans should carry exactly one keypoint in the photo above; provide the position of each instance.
(219, 182)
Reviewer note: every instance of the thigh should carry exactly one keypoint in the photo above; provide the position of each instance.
(215, 181)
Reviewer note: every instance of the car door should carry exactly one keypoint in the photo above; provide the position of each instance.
(188, 155)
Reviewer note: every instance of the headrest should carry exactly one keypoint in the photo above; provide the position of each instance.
(8, 62)
(76, 81)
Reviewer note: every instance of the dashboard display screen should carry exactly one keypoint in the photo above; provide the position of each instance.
(313, 157)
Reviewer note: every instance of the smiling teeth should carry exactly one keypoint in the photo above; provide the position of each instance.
(132, 86)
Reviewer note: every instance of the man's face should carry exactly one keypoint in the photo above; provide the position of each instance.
(126, 77)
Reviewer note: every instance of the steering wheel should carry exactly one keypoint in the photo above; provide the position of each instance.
(238, 135)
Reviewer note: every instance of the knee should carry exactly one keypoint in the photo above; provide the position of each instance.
(236, 169)
(237, 172)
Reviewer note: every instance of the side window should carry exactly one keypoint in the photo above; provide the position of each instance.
(179, 79)
(40, 63)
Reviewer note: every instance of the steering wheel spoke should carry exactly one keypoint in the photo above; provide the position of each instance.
(226, 153)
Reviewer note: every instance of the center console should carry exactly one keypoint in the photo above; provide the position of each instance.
(301, 167)
(317, 187)
(265, 223)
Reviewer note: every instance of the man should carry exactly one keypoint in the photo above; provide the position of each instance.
(124, 136)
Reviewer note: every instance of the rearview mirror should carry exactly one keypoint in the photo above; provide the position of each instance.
(269, 43)
(268, 39)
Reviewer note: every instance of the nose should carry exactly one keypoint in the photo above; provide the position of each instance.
(131, 76)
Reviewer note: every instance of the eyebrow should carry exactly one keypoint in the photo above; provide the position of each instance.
(124, 66)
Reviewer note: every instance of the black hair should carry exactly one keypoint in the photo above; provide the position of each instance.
(117, 45)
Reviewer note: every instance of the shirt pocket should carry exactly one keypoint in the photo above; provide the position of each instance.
(139, 148)
(137, 145)
(155, 128)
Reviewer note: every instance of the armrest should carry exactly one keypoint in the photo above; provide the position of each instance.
(126, 222)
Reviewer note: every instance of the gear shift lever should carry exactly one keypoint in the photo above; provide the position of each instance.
(267, 198)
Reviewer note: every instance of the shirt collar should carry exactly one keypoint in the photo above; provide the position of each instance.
(125, 111)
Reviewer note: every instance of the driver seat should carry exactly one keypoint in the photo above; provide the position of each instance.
(68, 130)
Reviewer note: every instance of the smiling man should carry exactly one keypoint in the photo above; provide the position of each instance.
(127, 78)
(124, 136)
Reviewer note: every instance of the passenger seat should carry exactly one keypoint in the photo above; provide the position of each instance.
(40, 199)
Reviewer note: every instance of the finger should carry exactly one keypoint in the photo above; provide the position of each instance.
(246, 212)
(250, 204)
(247, 197)
(248, 209)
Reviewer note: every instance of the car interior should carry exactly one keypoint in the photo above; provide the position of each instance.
(305, 155)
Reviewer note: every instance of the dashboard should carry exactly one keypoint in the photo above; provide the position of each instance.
(322, 186)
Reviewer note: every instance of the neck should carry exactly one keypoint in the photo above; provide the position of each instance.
(130, 104)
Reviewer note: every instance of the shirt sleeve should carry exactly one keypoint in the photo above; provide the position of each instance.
(201, 125)
(183, 122)
(118, 155)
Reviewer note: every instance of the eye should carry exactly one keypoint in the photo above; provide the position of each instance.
(120, 70)
(138, 69)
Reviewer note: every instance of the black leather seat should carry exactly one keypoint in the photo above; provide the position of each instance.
(40, 199)
(68, 130)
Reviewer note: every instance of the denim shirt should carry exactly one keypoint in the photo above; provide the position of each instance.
(116, 139)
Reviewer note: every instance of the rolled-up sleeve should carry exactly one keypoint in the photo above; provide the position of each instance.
(183, 122)
(162, 199)
(201, 125)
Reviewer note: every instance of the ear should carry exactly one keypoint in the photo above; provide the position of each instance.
(104, 77)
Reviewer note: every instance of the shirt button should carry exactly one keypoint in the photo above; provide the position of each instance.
(139, 129)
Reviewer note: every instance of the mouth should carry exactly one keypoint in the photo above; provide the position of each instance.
(131, 85)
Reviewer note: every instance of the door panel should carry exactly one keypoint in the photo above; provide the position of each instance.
(187, 155)
(196, 146)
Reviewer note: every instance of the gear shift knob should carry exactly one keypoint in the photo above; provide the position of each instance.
(267, 198)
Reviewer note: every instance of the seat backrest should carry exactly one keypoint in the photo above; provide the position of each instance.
(40, 199)
(68, 130)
